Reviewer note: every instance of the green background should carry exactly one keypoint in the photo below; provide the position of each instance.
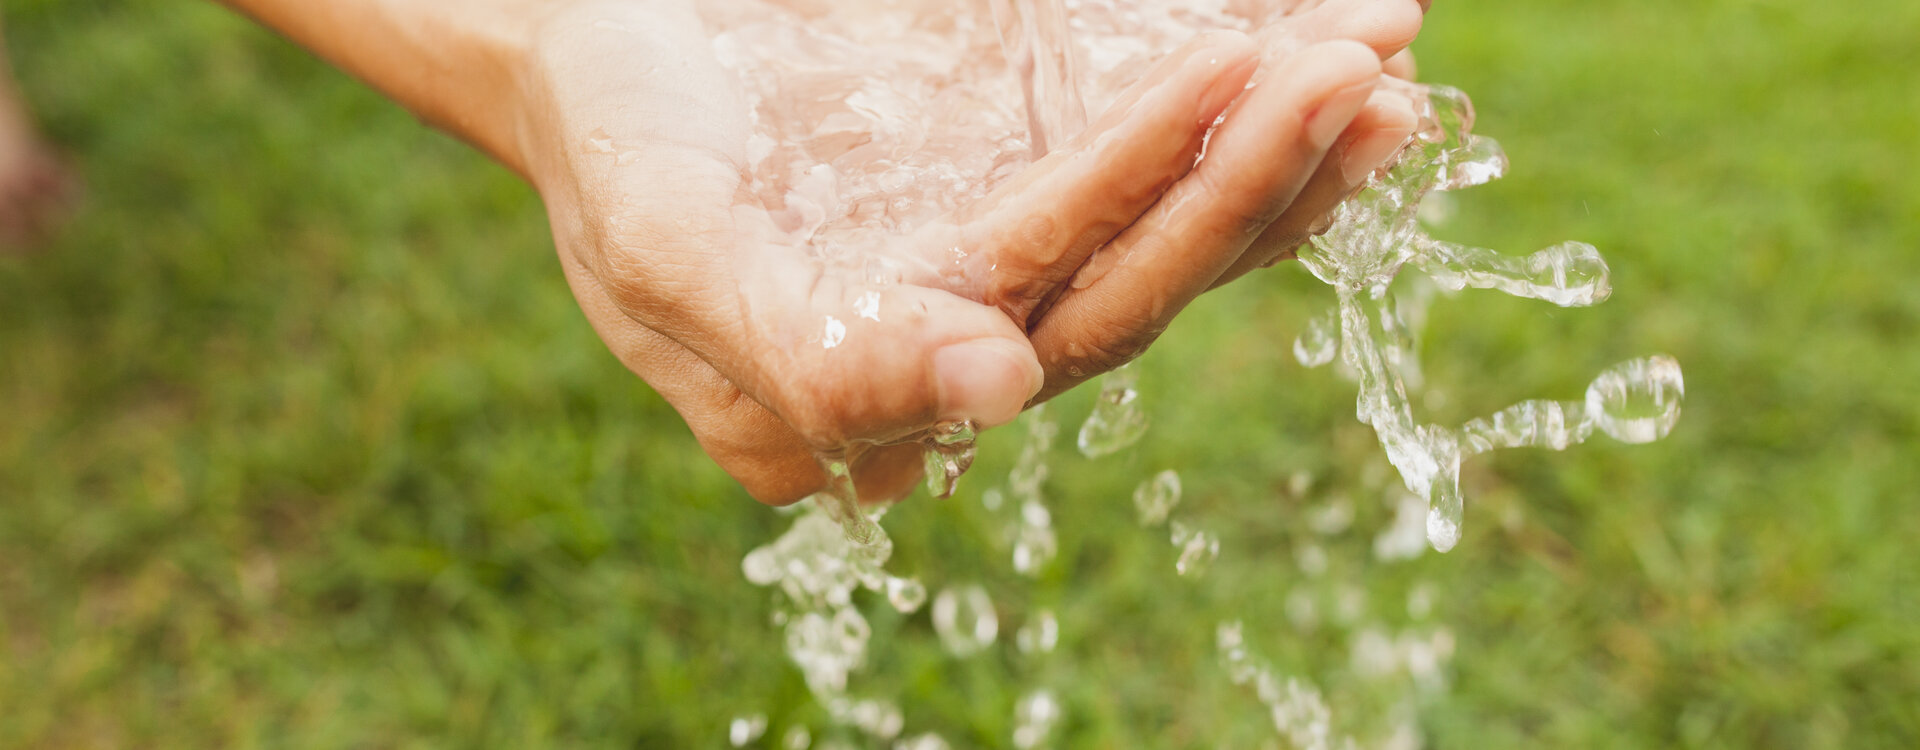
(303, 442)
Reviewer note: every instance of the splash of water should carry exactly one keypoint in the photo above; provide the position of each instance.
(817, 565)
(1019, 512)
(868, 126)
(1375, 237)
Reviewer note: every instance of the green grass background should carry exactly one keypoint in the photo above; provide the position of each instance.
(304, 444)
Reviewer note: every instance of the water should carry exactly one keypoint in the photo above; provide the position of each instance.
(870, 126)
(965, 619)
(818, 567)
(1041, 634)
(1375, 237)
(1117, 421)
(1319, 342)
(1297, 709)
(1156, 498)
(949, 453)
(746, 729)
(1024, 523)
(1197, 548)
(1034, 719)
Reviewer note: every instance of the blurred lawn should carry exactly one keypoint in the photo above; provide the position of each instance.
(303, 442)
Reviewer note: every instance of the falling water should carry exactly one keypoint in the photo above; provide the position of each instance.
(1375, 237)
(868, 125)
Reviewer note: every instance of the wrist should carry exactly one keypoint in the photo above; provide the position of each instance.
(482, 90)
(457, 66)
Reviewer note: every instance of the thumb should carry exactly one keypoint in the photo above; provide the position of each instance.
(880, 363)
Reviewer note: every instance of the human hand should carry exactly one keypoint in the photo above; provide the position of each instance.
(637, 144)
(36, 191)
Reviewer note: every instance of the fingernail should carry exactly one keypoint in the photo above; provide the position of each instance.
(1334, 114)
(986, 380)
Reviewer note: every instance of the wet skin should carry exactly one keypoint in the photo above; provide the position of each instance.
(1079, 262)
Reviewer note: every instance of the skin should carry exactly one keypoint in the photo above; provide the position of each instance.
(1073, 266)
(34, 188)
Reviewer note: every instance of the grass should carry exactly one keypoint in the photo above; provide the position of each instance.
(304, 444)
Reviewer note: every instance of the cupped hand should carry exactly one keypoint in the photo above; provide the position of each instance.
(636, 139)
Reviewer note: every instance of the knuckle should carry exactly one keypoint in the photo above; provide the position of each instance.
(1112, 339)
(1246, 207)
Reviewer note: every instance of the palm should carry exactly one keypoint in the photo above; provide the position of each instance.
(688, 281)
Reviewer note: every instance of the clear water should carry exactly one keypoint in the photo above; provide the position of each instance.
(874, 121)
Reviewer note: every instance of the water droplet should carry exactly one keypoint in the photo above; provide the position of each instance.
(1197, 549)
(599, 142)
(1479, 161)
(949, 449)
(1332, 518)
(1319, 341)
(833, 333)
(1311, 558)
(1299, 482)
(1033, 547)
(1231, 642)
(1034, 513)
(879, 718)
(906, 594)
(1117, 422)
(1406, 537)
(746, 729)
(1637, 401)
(964, 618)
(926, 741)
(1034, 718)
(868, 306)
(1156, 498)
(1039, 635)
(760, 567)
(1443, 531)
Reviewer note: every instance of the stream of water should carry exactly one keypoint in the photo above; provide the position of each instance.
(874, 118)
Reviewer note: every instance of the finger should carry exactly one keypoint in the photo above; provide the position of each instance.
(696, 260)
(1377, 133)
(750, 444)
(1256, 162)
(1402, 66)
(769, 460)
(1284, 8)
(889, 472)
(1026, 239)
(837, 359)
(1387, 26)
